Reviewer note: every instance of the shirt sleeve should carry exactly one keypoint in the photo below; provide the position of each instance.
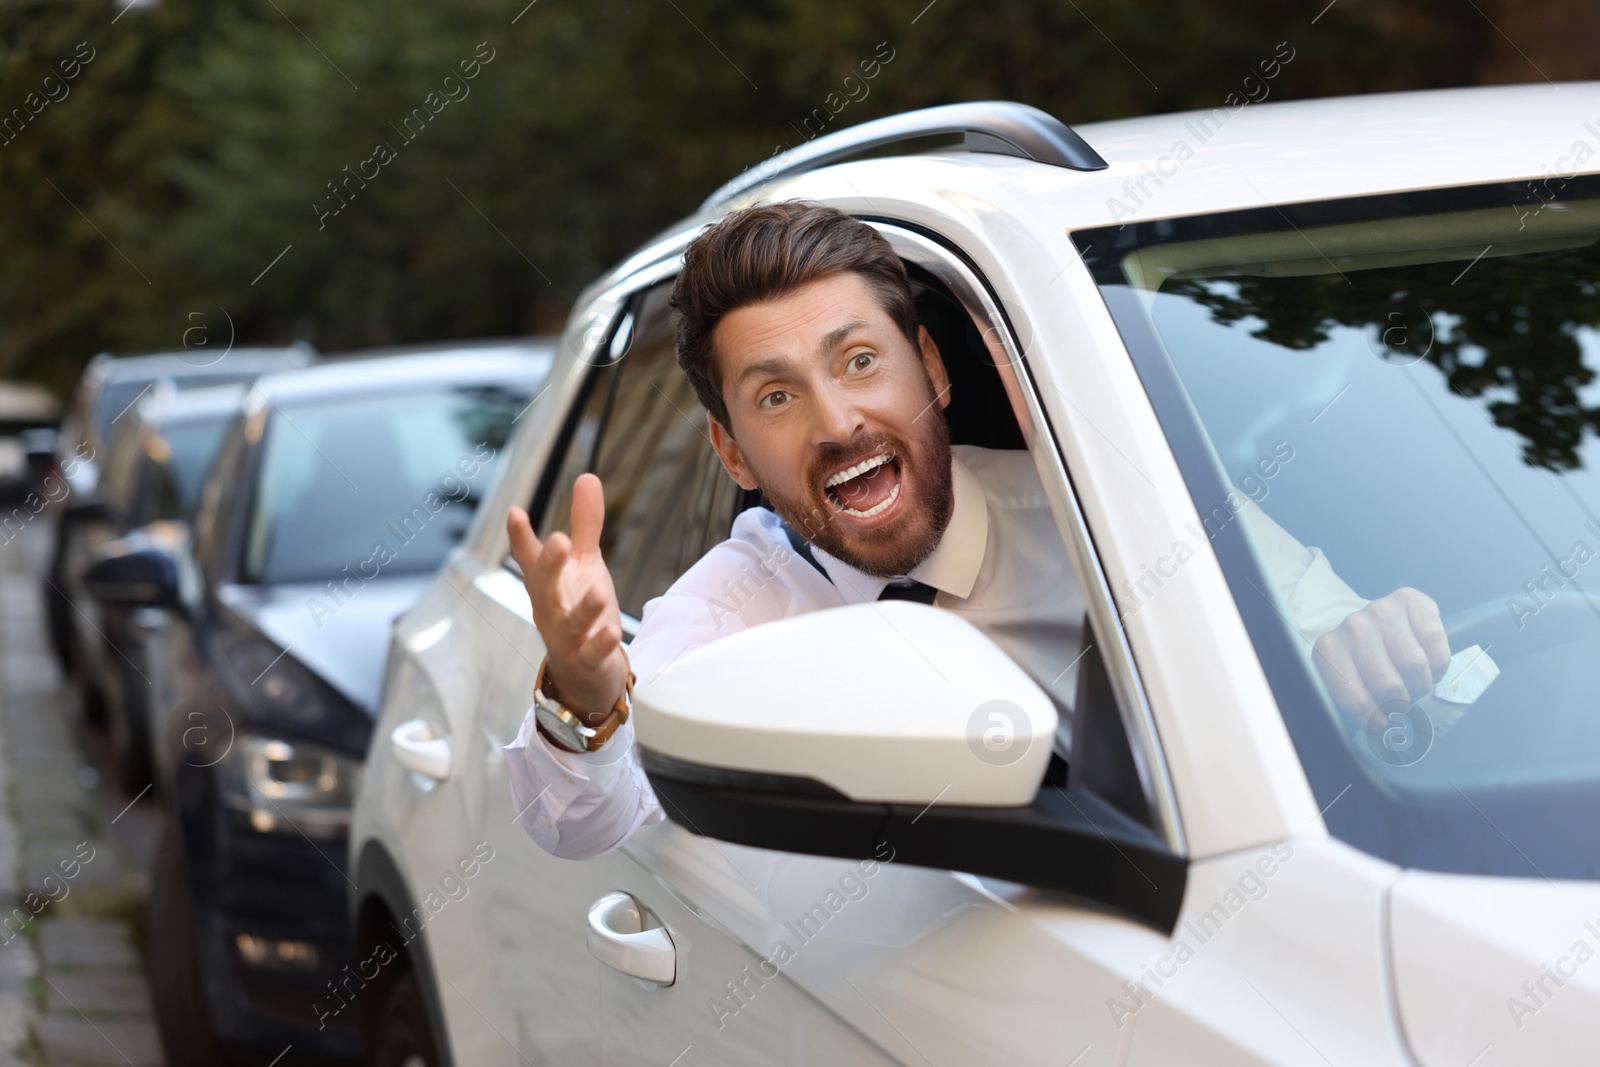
(1314, 598)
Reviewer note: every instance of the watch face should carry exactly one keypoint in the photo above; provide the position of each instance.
(557, 726)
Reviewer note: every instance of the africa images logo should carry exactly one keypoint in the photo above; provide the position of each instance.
(999, 732)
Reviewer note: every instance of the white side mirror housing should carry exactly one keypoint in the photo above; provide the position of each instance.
(890, 702)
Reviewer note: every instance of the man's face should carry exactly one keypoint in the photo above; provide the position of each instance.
(838, 418)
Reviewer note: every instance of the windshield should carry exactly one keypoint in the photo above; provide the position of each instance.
(1407, 387)
(117, 396)
(384, 484)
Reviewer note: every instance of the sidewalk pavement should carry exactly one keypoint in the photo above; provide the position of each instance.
(73, 851)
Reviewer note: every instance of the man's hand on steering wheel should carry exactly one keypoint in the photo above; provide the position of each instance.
(1395, 648)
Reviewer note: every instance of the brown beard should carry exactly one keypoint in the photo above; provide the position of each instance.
(896, 549)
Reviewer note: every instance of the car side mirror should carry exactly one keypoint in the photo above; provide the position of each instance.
(834, 732)
(145, 576)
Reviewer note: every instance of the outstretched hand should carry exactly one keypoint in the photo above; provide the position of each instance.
(1395, 648)
(574, 602)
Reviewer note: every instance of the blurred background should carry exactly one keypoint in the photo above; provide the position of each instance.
(203, 140)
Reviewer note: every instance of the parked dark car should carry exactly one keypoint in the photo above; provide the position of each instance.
(155, 460)
(110, 388)
(336, 494)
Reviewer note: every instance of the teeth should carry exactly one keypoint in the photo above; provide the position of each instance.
(879, 506)
(860, 468)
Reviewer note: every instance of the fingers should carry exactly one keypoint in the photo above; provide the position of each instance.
(1395, 648)
(1402, 670)
(1429, 628)
(599, 645)
(1364, 638)
(543, 578)
(1414, 639)
(525, 546)
(573, 604)
(581, 619)
(540, 563)
(1339, 672)
(588, 514)
(553, 585)
(591, 627)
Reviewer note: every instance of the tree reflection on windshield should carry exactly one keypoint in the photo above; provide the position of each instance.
(1506, 325)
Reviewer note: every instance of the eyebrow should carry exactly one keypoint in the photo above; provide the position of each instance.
(835, 337)
(772, 365)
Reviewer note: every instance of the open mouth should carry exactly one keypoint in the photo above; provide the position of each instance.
(867, 488)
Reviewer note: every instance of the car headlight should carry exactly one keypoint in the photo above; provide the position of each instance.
(291, 786)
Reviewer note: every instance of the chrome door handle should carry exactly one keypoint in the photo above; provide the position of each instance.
(625, 937)
(417, 749)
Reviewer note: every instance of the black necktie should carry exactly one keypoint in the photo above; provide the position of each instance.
(909, 589)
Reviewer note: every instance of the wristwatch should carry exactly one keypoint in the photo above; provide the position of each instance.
(567, 728)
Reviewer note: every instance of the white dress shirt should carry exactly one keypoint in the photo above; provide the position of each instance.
(1000, 564)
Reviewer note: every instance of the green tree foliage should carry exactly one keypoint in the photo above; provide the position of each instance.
(200, 141)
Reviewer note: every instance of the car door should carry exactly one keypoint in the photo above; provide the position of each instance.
(512, 977)
(789, 959)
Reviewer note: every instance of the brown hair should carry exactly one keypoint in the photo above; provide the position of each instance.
(765, 253)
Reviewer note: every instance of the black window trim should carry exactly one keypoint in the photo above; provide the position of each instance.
(221, 564)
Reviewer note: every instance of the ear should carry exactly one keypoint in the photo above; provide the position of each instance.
(933, 363)
(729, 452)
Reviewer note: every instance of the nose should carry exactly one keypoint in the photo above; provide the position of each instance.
(838, 418)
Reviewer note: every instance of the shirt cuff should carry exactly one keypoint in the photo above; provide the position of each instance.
(1320, 600)
(577, 805)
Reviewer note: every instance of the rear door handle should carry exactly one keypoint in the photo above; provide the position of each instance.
(417, 749)
(625, 937)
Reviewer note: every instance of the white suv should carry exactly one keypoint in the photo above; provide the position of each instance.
(1378, 318)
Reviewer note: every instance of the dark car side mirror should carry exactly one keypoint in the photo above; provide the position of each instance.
(146, 576)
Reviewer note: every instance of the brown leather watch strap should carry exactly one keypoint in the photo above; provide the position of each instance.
(610, 724)
(605, 727)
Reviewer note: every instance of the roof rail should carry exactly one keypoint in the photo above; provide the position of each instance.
(998, 126)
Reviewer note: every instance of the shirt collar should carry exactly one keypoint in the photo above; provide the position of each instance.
(952, 567)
